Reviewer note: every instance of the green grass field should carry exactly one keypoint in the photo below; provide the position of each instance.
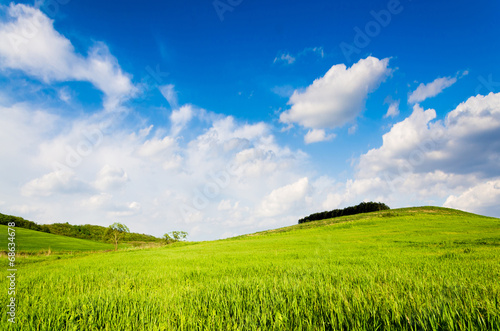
(34, 241)
(407, 269)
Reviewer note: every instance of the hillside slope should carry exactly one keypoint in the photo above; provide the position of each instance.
(87, 231)
(30, 240)
(406, 269)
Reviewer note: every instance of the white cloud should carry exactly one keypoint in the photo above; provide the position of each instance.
(64, 94)
(97, 201)
(110, 205)
(24, 209)
(224, 205)
(222, 177)
(317, 135)
(482, 198)
(393, 110)
(29, 42)
(432, 160)
(62, 182)
(111, 178)
(180, 117)
(127, 210)
(231, 176)
(403, 138)
(156, 146)
(284, 57)
(338, 97)
(170, 95)
(284, 198)
(425, 91)
(220, 172)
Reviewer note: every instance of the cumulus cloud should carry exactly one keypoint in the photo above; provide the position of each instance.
(111, 178)
(180, 117)
(284, 198)
(425, 91)
(317, 135)
(111, 206)
(473, 128)
(156, 146)
(338, 97)
(422, 157)
(29, 42)
(210, 182)
(482, 199)
(62, 182)
(403, 138)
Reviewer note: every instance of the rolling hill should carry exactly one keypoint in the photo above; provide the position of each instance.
(87, 231)
(422, 268)
(31, 241)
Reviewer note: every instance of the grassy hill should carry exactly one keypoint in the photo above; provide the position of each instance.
(31, 241)
(87, 231)
(405, 269)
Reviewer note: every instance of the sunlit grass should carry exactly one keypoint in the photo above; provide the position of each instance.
(33, 241)
(410, 269)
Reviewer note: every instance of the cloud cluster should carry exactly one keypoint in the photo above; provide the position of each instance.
(482, 198)
(338, 97)
(29, 42)
(434, 160)
(229, 176)
(283, 199)
(425, 91)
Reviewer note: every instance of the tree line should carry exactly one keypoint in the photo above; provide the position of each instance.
(87, 231)
(363, 207)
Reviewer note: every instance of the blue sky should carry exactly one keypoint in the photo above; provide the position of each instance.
(228, 117)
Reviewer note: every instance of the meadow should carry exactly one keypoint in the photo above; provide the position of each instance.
(422, 268)
(29, 241)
